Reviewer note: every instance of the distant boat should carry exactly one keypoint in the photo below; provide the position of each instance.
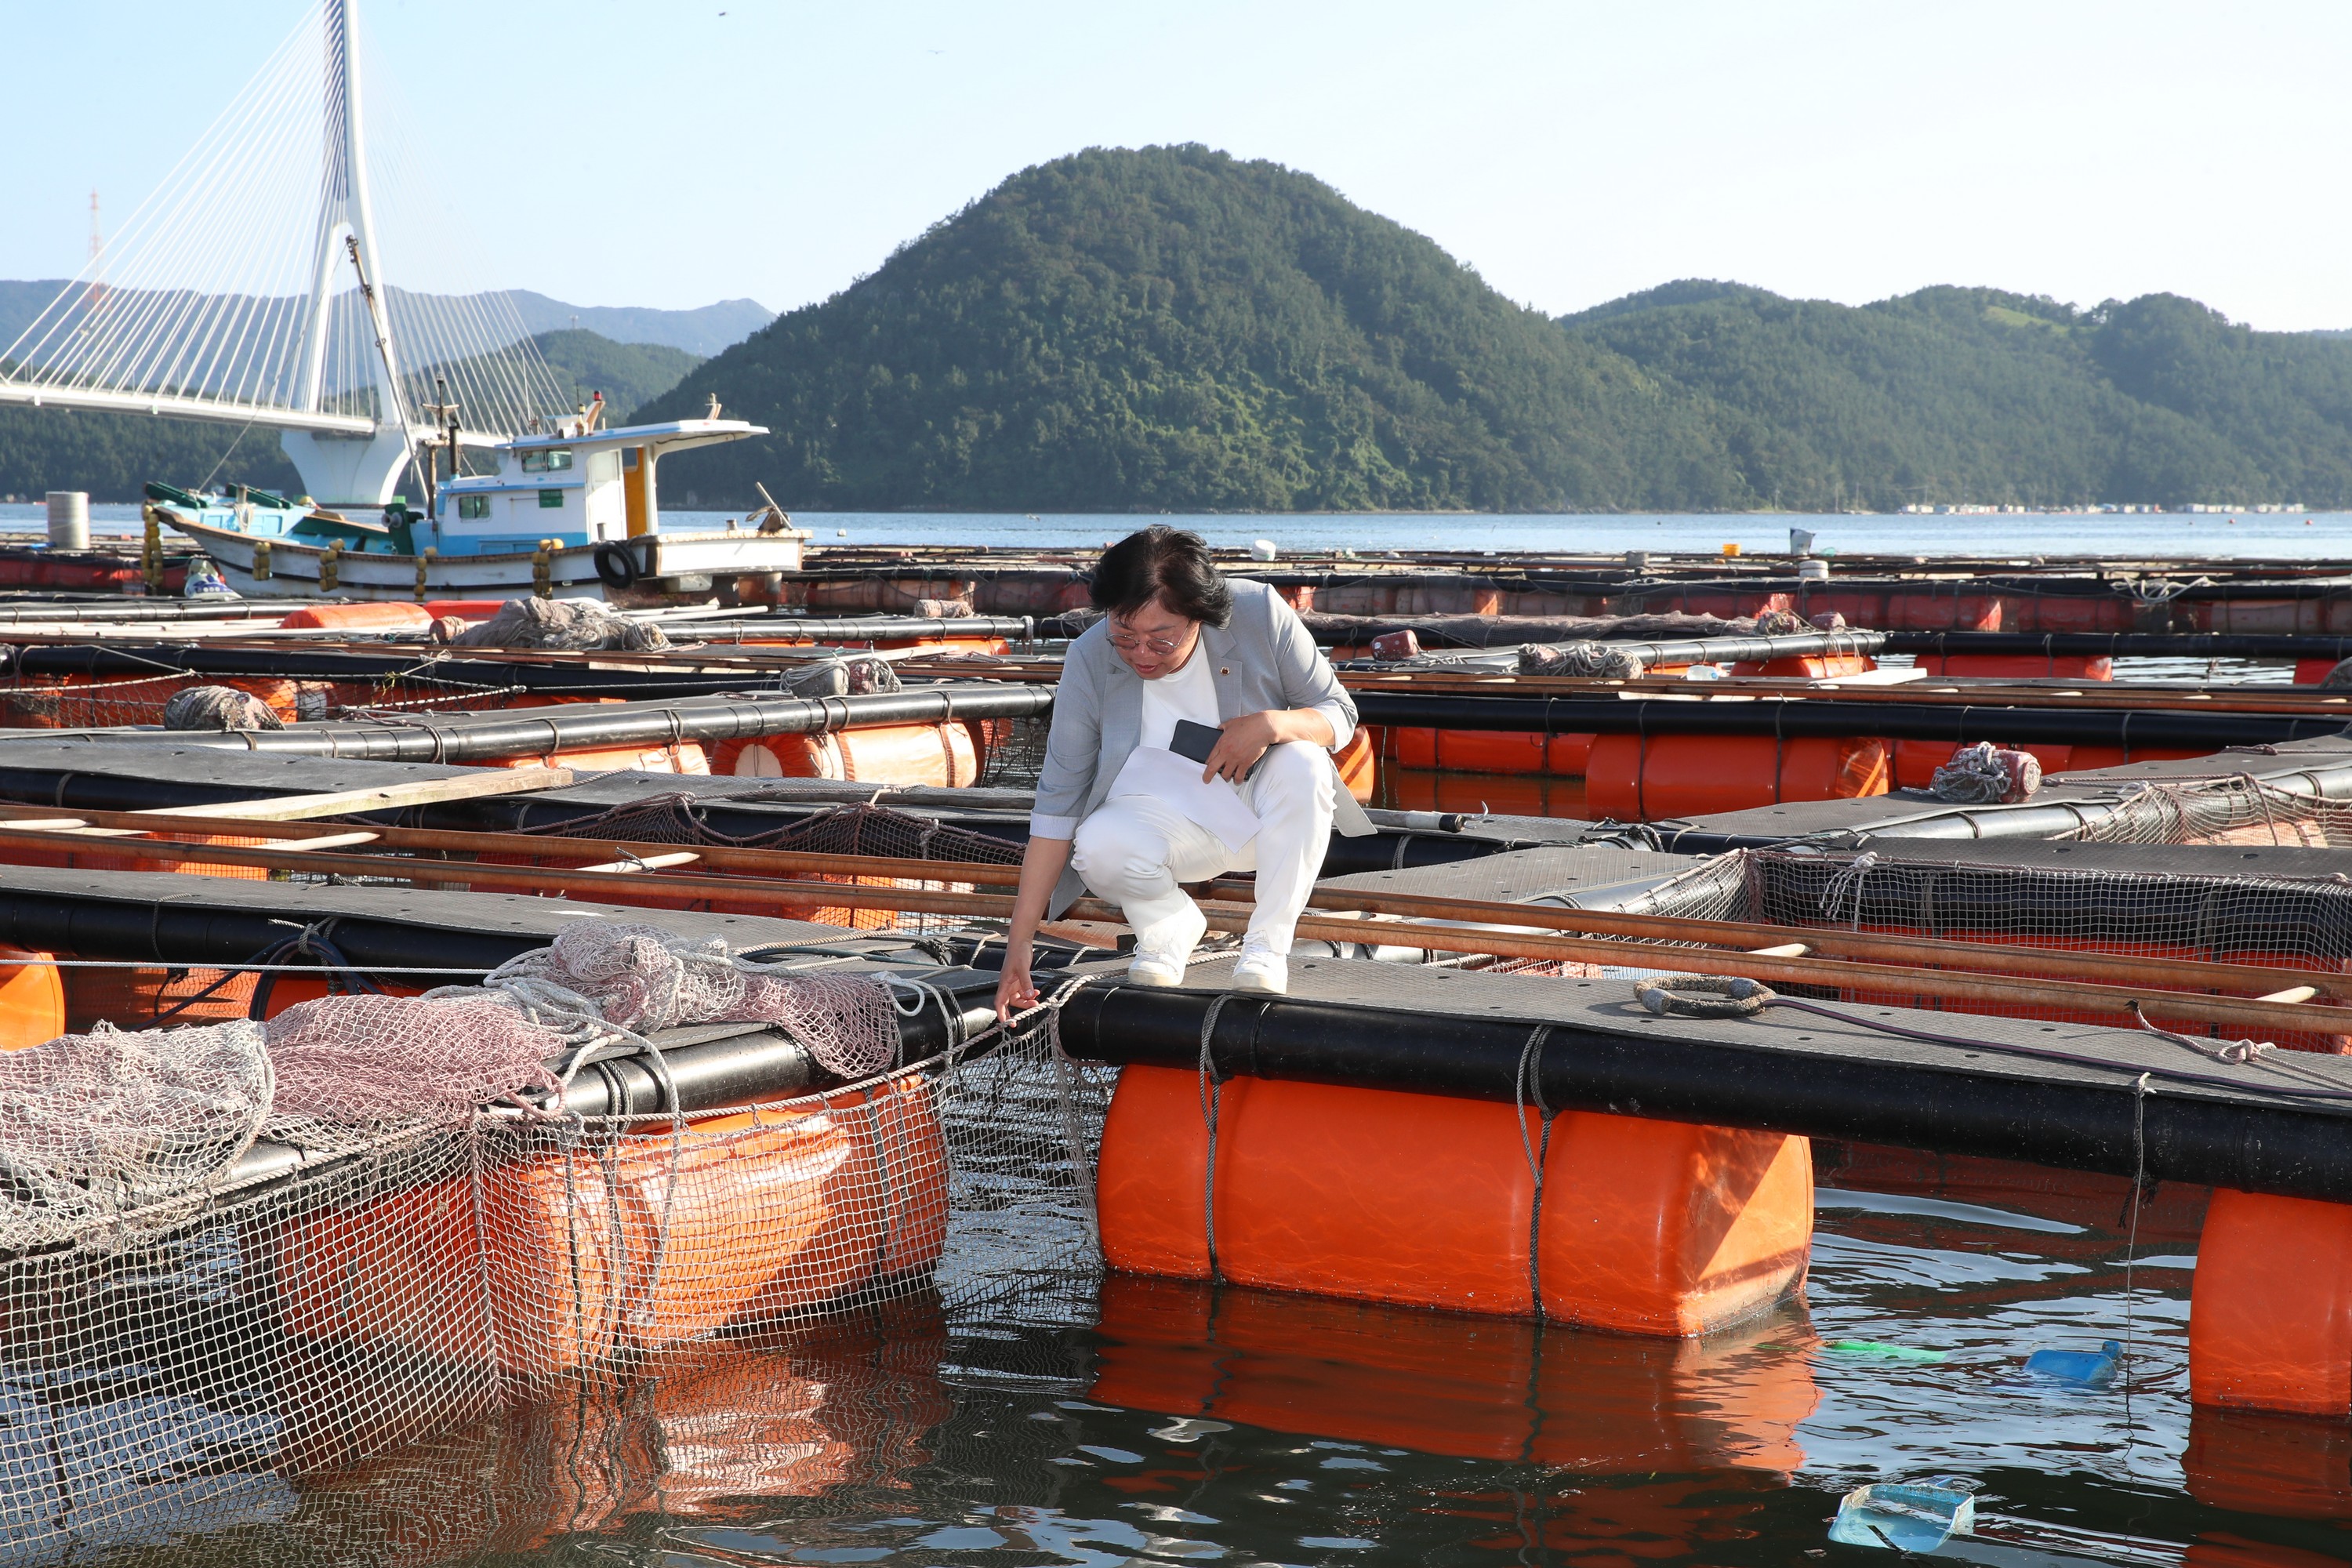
(573, 514)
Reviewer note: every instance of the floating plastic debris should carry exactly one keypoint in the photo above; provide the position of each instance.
(2079, 1369)
(1906, 1516)
(1883, 1351)
(1189, 1429)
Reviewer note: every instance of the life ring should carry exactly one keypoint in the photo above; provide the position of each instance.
(1703, 995)
(616, 566)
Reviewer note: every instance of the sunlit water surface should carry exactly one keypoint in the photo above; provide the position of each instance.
(1238, 1427)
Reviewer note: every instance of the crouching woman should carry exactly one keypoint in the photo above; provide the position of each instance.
(1121, 813)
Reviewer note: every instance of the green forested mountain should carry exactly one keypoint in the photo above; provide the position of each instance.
(111, 455)
(1953, 394)
(1173, 327)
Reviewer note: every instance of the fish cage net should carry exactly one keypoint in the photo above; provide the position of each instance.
(861, 829)
(1012, 750)
(2236, 809)
(2159, 915)
(79, 704)
(245, 1263)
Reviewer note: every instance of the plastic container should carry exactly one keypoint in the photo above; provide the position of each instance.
(1903, 1516)
(2079, 1369)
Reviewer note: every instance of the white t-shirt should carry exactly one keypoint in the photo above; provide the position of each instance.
(1189, 691)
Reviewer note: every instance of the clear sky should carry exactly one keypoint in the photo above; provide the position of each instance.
(670, 153)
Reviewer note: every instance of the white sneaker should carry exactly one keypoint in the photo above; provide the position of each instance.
(1162, 949)
(1261, 969)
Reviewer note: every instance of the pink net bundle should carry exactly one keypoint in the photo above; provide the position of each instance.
(367, 1058)
(92, 1125)
(641, 978)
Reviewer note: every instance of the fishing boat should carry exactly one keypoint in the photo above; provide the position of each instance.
(571, 513)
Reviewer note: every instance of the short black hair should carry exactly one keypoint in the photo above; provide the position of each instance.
(1165, 563)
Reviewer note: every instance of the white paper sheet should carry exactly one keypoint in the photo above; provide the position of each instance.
(1163, 775)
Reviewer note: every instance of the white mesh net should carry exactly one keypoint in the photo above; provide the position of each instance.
(216, 1287)
(96, 1127)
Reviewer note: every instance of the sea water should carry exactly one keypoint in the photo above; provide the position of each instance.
(2317, 535)
(1175, 1423)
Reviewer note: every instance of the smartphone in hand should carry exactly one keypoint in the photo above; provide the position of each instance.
(1197, 740)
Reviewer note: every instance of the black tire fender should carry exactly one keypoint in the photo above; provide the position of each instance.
(616, 566)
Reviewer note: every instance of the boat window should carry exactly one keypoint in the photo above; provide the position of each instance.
(549, 460)
(603, 466)
(549, 499)
(473, 506)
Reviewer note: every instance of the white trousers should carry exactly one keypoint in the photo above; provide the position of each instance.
(1135, 849)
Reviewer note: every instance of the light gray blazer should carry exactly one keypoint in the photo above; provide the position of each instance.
(1263, 657)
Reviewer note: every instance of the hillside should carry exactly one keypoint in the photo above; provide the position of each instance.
(111, 455)
(1953, 394)
(1174, 328)
(702, 330)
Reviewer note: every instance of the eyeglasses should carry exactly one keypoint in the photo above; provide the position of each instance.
(1162, 646)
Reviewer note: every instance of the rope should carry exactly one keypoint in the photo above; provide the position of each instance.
(1213, 1090)
(1531, 1074)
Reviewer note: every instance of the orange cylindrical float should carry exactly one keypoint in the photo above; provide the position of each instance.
(1640, 1226)
(940, 754)
(2270, 1315)
(32, 999)
(389, 615)
(687, 757)
(1358, 763)
(1808, 666)
(1645, 777)
(2021, 666)
(1480, 795)
(639, 1240)
(1487, 750)
(2312, 671)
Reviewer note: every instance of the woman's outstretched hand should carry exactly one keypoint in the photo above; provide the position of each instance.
(1015, 991)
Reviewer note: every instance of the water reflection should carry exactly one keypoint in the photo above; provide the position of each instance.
(1470, 1387)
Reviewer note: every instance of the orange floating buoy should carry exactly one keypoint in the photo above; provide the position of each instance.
(1644, 778)
(2029, 666)
(940, 754)
(1807, 666)
(687, 757)
(639, 1240)
(1357, 765)
(1638, 1226)
(32, 999)
(2270, 1315)
(360, 617)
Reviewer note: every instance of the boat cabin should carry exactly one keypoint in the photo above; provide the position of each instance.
(575, 489)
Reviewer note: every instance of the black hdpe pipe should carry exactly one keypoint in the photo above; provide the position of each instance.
(490, 669)
(1720, 650)
(1809, 716)
(2126, 645)
(2076, 1119)
(747, 1065)
(462, 737)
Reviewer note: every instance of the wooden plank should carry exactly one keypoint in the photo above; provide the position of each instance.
(472, 785)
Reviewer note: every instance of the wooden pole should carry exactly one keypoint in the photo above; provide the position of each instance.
(1998, 991)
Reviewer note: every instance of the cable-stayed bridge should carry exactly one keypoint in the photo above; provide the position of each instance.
(251, 290)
